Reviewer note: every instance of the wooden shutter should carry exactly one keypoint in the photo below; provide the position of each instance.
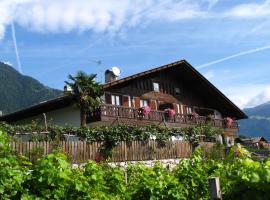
(121, 100)
(125, 101)
(153, 104)
(175, 107)
(137, 102)
(185, 109)
(108, 99)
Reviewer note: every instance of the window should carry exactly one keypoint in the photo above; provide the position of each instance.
(126, 101)
(143, 103)
(115, 100)
(177, 91)
(156, 87)
(217, 114)
(189, 110)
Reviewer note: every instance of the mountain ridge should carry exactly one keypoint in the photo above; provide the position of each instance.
(19, 91)
(258, 123)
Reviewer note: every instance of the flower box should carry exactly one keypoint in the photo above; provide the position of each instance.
(169, 113)
(144, 111)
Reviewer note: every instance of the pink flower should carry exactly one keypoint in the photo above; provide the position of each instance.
(146, 110)
(170, 112)
(229, 121)
(194, 114)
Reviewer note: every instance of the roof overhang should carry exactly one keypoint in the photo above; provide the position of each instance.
(43, 107)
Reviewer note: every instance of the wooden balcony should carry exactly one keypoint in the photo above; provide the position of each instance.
(109, 114)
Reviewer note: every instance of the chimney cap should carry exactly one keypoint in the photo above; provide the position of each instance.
(112, 74)
(67, 88)
(116, 71)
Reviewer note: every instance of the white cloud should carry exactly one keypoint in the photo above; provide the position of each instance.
(260, 98)
(112, 15)
(248, 95)
(212, 3)
(172, 11)
(250, 10)
(209, 74)
(82, 15)
(8, 63)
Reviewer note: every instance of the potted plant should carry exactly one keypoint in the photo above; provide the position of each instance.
(144, 111)
(194, 115)
(228, 122)
(169, 113)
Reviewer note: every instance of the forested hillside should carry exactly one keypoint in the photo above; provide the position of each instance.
(18, 91)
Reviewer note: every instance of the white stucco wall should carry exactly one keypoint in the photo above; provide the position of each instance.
(64, 116)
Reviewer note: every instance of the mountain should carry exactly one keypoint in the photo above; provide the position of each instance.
(18, 91)
(258, 123)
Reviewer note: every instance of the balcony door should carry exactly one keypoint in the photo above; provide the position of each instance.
(143, 103)
(126, 101)
(115, 99)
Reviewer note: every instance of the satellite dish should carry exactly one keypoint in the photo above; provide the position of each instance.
(116, 71)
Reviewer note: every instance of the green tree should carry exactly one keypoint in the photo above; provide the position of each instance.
(86, 91)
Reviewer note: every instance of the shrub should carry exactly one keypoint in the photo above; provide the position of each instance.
(216, 152)
(51, 177)
(12, 175)
(152, 183)
(193, 175)
(243, 178)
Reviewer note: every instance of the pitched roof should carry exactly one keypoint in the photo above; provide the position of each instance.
(144, 73)
(66, 100)
(183, 64)
(252, 140)
(42, 107)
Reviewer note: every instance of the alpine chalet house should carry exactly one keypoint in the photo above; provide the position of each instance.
(173, 95)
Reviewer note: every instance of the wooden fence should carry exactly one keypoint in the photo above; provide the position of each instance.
(81, 151)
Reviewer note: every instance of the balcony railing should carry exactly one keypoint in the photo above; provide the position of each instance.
(107, 110)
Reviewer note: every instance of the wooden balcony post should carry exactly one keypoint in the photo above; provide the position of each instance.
(135, 113)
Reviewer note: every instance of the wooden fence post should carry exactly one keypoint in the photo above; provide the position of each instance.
(214, 188)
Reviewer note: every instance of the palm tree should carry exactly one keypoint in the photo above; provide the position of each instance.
(86, 91)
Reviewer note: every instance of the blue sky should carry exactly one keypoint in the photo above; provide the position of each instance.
(55, 38)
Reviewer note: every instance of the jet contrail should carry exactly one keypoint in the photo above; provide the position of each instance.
(234, 56)
(16, 48)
